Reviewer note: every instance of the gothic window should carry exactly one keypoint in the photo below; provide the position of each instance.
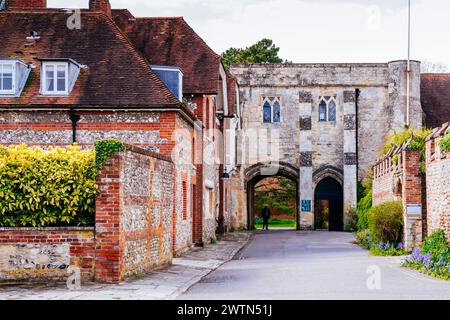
(276, 112)
(327, 109)
(332, 111)
(322, 111)
(271, 110)
(267, 112)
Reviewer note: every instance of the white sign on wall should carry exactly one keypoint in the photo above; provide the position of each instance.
(414, 209)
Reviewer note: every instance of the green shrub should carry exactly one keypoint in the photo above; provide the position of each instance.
(364, 203)
(53, 187)
(445, 143)
(433, 258)
(352, 220)
(363, 239)
(436, 245)
(386, 222)
(387, 249)
(104, 149)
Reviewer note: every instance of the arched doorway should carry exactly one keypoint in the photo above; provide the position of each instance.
(257, 173)
(329, 205)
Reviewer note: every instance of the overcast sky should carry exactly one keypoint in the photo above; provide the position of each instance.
(310, 30)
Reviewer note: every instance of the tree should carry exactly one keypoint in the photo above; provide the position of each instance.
(263, 51)
(434, 67)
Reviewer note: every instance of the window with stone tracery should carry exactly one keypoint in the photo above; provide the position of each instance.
(271, 110)
(327, 109)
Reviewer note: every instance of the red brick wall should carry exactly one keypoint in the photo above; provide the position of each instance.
(402, 182)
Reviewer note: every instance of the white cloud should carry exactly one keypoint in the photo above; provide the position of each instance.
(311, 30)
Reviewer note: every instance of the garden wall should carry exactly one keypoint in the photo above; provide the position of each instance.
(133, 234)
(438, 182)
(397, 178)
(45, 253)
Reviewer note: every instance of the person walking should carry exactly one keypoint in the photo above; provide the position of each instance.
(265, 214)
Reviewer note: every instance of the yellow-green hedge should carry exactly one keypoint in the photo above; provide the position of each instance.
(54, 187)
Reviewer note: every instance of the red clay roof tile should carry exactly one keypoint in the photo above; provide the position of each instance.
(116, 73)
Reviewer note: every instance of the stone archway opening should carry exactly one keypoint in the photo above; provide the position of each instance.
(255, 177)
(329, 205)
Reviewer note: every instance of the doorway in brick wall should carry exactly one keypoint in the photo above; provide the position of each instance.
(329, 205)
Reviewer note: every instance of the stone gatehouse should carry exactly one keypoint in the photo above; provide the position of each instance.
(321, 125)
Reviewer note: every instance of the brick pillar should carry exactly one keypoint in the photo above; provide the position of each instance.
(108, 248)
(306, 169)
(412, 195)
(27, 4)
(100, 5)
(350, 154)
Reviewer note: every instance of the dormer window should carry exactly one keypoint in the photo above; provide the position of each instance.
(172, 77)
(55, 78)
(13, 76)
(7, 77)
(58, 76)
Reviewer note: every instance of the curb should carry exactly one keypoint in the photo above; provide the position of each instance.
(196, 280)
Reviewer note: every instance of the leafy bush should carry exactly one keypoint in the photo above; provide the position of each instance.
(104, 149)
(386, 222)
(364, 204)
(352, 220)
(445, 143)
(363, 239)
(417, 143)
(433, 258)
(46, 187)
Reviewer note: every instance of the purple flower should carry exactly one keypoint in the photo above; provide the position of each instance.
(400, 246)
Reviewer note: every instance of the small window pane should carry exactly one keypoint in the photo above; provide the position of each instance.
(7, 83)
(267, 113)
(61, 84)
(276, 112)
(322, 111)
(332, 111)
(61, 72)
(49, 78)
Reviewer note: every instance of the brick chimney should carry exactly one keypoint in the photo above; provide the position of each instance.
(100, 5)
(26, 4)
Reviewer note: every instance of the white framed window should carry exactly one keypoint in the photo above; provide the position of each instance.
(55, 78)
(271, 109)
(327, 109)
(7, 77)
(172, 77)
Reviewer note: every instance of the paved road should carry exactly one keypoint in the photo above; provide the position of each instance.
(312, 265)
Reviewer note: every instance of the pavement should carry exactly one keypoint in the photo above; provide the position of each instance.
(292, 265)
(165, 284)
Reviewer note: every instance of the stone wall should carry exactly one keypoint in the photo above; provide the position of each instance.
(371, 101)
(134, 215)
(438, 183)
(46, 253)
(397, 177)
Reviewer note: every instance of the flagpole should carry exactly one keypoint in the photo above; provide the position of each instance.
(408, 71)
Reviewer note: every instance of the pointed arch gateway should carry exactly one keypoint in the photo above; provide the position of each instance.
(328, 199)
(261, 171)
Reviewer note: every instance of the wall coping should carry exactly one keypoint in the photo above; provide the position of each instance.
(43, 229)
(131, 148)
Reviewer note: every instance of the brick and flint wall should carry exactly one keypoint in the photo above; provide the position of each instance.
(438, 182)
(397, 177)
(137, 214)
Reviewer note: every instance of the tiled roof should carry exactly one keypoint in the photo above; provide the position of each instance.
(115, 75)
(435, 92)
(172, 42)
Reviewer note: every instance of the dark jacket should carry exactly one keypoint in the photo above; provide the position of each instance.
(265, 213)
